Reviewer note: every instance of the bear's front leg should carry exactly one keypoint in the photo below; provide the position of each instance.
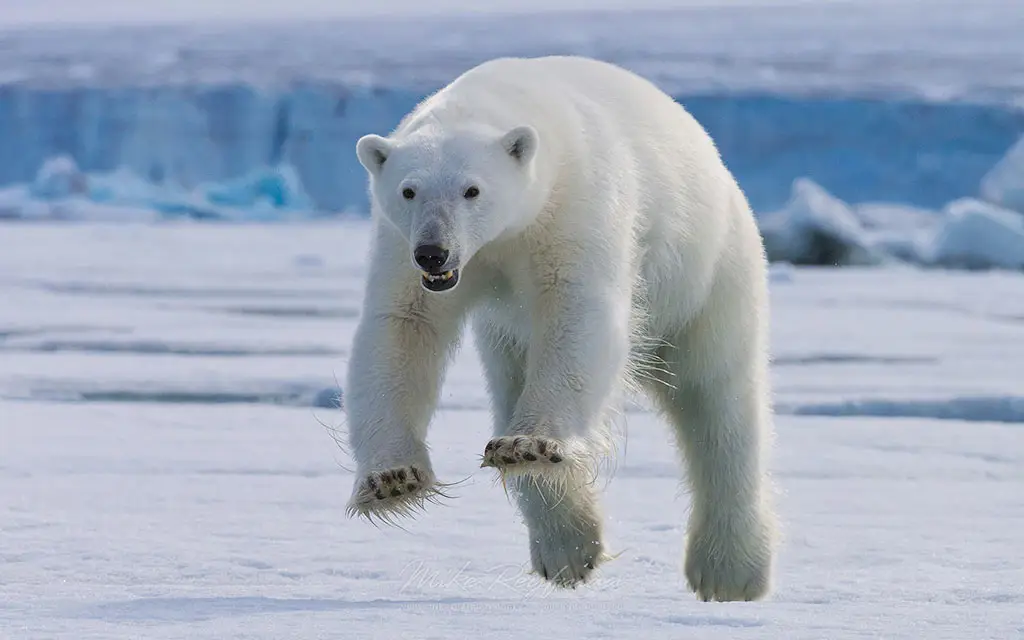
(399, 356)
(580, 300)
(564, 520)
(574, 368)
(549, 446)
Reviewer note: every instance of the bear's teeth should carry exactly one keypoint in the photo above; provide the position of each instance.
(444, 276)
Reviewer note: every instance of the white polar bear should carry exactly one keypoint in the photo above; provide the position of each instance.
(588, 225)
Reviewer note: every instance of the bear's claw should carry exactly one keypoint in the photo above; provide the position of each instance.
(393, 492)
(521, 451)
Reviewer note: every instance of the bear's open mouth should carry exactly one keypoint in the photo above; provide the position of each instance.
(441, 281)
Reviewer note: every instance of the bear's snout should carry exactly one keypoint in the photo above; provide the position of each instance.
(430, 257)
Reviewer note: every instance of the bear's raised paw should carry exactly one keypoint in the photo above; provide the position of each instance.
(392, 492)
(522, 453)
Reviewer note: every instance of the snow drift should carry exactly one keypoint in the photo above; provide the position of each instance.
(1004, 184)
(62, 191)
(815, 228)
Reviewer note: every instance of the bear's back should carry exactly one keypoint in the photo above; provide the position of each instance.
(582, 108)
(604, 129)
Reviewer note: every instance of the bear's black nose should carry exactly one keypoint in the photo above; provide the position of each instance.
(430, 257)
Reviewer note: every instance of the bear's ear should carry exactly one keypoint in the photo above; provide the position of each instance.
(373, 150)
(521, 143)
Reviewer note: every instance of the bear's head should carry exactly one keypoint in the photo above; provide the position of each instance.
(450, 192)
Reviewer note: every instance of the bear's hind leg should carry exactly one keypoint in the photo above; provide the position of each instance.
(717, 403)
(563, 519)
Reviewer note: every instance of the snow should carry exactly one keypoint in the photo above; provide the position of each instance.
(1004, 184)
(816, 228)
(168, 468)
(62, 191)
(225, 11)
(169, 388)
(935, 50)
(58, 178)
(979, 235)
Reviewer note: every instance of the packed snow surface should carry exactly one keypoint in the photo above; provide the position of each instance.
(168, 397)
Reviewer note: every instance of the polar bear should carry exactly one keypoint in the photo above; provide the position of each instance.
(585, 225)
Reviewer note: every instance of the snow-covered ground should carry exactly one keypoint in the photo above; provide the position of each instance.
(165, 471)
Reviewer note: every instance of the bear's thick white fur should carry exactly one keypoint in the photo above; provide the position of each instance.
(601, 246)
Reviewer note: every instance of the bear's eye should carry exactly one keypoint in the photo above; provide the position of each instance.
(471, 193)
(408, 193)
